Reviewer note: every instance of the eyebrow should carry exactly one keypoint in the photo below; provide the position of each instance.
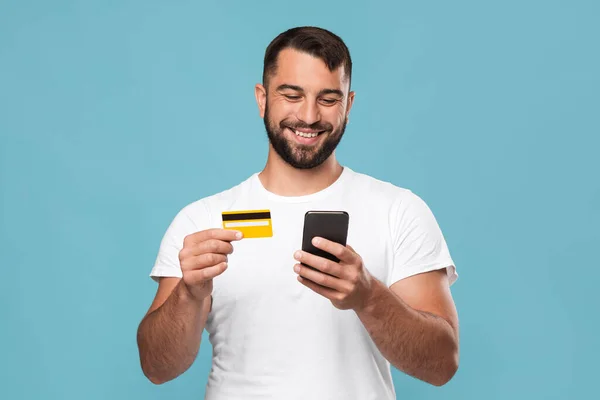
(299, 89)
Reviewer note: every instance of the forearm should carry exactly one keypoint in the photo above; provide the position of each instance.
(169, 337)
(420, 344)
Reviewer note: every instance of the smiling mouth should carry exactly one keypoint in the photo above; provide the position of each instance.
(305, 133)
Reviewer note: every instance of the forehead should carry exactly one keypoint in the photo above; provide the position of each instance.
(311, 73)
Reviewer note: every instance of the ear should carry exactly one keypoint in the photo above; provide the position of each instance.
(260, 92)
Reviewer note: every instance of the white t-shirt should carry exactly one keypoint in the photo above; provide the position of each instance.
(274, 338)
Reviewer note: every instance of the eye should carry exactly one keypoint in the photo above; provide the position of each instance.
(292, 97)
(329, 102)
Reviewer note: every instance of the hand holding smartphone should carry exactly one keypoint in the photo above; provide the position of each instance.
(330, 225)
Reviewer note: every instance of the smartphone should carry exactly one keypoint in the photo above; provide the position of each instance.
(331, 225)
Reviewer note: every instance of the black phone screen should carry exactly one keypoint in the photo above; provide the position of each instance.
(331, 225)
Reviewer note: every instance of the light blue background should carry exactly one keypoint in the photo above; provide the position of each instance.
(115, 114)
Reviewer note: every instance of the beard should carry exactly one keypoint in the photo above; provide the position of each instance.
(298, 155)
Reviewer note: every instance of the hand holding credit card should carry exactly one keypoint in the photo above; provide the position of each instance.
(203, 257)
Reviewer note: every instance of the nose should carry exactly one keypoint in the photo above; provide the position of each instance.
(309, 112)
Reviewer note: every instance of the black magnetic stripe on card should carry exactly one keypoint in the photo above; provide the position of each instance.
(246, 216)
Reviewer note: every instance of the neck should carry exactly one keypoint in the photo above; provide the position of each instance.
(282, 179)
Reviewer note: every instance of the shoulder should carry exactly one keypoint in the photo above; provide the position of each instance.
(400, 203)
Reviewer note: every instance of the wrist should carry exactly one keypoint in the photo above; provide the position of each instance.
(370, 298)
(184, 294)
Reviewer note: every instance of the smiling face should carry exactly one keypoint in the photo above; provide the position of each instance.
(305, 107)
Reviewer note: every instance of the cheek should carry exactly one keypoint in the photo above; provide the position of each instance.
(282, 111)
(335, 116)
(341, 112)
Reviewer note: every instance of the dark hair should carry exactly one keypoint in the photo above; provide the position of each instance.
(317, 42)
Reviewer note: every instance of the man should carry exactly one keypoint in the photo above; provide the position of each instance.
(282, 330)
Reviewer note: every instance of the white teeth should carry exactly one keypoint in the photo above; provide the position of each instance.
(306, 135)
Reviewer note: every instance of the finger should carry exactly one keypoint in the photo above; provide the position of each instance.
(212, 246)
(197, 276)
(213, 233)
(208, 246)
(320, 263)
(203, 261)
(341, 252)
(322, 279)
(323, 291)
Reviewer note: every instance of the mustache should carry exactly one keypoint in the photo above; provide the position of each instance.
(300, 125)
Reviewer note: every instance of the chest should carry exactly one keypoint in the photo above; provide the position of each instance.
(262, 268)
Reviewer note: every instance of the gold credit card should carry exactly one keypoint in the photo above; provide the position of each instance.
(252, 224)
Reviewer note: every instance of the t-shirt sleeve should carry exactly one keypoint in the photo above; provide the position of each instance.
(418, 243)
(167, 260)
